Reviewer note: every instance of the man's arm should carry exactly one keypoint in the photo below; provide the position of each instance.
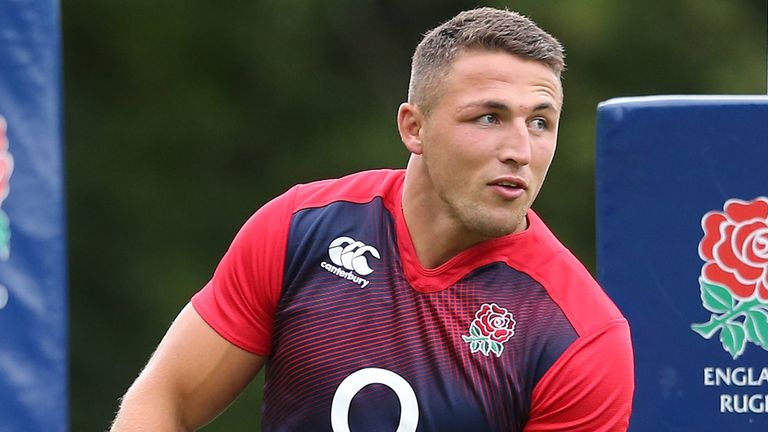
(192, 376)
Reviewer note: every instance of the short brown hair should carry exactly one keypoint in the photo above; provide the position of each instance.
(482, 28)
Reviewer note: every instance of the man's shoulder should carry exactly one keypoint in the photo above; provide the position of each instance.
(360, 187)
(570, 284)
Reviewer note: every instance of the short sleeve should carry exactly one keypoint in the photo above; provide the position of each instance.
(590, 387)
(239, 301)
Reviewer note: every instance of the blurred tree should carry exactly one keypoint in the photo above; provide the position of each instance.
(183, 117)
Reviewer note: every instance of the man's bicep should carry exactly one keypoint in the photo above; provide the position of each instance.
(194, 373)
(590, 388)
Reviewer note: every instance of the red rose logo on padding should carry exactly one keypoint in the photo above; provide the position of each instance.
(734, 277)
(735, 247)
(6, 169)
(492, 327)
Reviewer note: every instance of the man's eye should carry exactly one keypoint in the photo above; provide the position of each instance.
(539, 124)
(488, 119)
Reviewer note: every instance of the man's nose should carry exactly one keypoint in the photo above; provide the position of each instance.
(515, 144)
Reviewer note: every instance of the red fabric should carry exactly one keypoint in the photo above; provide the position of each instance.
(239, 301)
(589, 388)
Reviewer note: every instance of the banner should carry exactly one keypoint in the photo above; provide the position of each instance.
(682, 247)
(33, 300)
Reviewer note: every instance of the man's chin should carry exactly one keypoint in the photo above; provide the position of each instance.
(499, 228)
(491, 221)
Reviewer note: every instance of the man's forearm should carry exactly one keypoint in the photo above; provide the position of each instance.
(142, 410)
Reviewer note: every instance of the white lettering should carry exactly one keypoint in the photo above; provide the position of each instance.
(744, 403)
(348, 275)
(723, 376)
(709, 376)
(738, 376)
(726, 403)
(739, 409)
(756, 404)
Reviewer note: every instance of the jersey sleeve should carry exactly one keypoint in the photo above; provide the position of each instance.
(239, 301)
(590, 387)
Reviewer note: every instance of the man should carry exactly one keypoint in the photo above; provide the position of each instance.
(424, 299)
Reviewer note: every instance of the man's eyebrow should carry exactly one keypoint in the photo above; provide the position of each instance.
(501, 106)
(488, 104)
(545, 106)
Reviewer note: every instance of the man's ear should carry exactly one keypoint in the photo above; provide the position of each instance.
(410, 122)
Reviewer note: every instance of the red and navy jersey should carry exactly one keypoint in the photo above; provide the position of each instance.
(512, 334)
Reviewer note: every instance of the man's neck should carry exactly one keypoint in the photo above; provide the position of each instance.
(437, 236)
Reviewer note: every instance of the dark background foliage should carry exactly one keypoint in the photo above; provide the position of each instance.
(183, 117)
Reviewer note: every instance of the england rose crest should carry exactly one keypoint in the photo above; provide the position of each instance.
(492, 327)
(734, 277)
(6, 169)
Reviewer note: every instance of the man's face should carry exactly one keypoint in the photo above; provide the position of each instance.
(489, 139)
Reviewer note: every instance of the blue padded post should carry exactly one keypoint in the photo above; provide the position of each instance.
(33, 302)
(672, 171)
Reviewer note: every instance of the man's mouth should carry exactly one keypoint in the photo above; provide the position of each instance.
(509, 182)
(508, 185)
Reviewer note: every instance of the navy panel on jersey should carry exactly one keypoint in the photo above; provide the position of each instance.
(347, 307)
(700, 332)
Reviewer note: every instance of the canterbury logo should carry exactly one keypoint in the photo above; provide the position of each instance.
(351, 256)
